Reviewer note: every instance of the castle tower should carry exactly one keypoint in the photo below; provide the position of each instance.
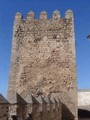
(43, 58)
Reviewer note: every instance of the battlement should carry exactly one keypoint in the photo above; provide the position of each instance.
(37, 108)
(43, 15)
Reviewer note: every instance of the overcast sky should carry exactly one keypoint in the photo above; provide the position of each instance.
(81, 9)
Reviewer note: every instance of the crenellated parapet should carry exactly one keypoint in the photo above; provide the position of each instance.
(41, 107)
(37, 108)
(30, 23)
(44, 15)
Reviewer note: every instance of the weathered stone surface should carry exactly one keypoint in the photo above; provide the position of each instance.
(43, 60)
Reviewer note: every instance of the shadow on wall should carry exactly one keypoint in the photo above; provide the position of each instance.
(66, 113)
(83, 114)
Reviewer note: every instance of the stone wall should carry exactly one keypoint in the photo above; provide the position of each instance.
(43, 58)
(4, 111)
(4, 108)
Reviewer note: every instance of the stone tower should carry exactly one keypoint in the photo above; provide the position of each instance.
(43, 60)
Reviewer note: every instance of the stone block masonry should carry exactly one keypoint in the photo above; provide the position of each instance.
(43, 60)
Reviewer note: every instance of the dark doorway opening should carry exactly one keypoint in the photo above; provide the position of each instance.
(14, 117)
(30, 117)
